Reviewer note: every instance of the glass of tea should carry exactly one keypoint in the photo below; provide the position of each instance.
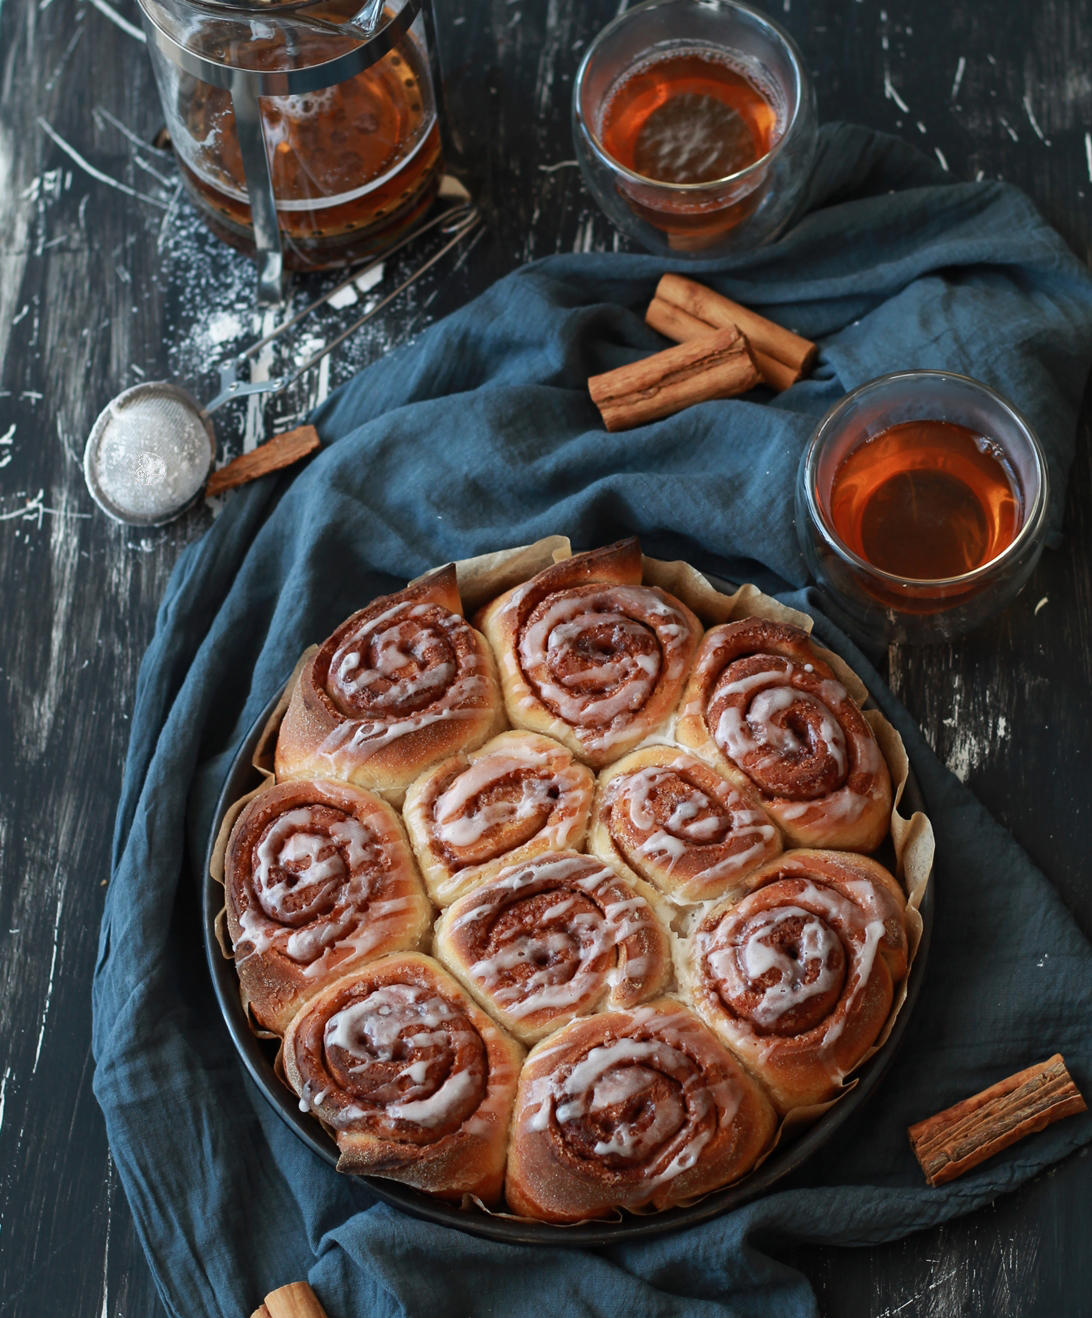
(921, 506)
(694, 124)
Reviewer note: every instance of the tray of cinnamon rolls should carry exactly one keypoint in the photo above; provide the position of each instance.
(568, 897)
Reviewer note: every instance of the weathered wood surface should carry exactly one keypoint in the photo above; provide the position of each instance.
(99, 289)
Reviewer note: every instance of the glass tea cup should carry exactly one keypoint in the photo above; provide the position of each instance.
(694, 124)
(882, 603)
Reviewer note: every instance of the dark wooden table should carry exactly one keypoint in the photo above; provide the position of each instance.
(100, 288)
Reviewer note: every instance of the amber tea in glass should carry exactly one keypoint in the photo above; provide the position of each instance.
(925, 501)
(689, 117)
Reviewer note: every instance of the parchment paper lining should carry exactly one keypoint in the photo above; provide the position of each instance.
(482, 579)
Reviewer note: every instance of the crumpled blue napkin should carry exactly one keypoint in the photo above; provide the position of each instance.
(478, 436)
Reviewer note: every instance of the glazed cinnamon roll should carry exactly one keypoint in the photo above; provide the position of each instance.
(398, 687)
(554, 938)
(798, 977)
(671, 819)
(413, 1080)
(630, 1110)
(319, 878)
(519, 795)
(769, 713)
(590, 656)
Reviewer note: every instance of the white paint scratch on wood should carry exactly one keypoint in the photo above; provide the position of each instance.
(4, 1094)
(88, 168)
(890, 93)
(108, 1198)
(920, 1295)
(958, 79)
(114, 17)
(561, 164)
(1088, 153)
(6, 441)
(1032, 120)
(1008, 128)
(1040, 605)
(941, 158)
(49, 985)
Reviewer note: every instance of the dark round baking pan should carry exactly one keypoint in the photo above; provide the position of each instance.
(258, 1056)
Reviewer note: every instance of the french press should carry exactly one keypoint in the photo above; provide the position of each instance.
(307, 131)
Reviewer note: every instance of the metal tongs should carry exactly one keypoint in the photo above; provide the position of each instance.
(151, 450)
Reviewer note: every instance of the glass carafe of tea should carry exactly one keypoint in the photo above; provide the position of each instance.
(306, 132)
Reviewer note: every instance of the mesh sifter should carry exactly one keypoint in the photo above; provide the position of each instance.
(152, 447)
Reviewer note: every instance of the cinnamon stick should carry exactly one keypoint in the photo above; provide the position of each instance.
(296, 1300)
(962, 1136)
(674, 323)
(717, 366)
(280, 451)
(762, 334)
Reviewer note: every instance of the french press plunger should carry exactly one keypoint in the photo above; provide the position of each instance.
(307, 131)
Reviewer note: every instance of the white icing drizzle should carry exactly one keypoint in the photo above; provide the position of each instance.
(758, 956)
(599, 695)
(700, 825)
(741, 936)
(394, 662)
(374, 1029)
(684, 1117)
(318, 891)
(572, 964)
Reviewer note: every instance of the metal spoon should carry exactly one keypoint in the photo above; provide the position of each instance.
(152, 447)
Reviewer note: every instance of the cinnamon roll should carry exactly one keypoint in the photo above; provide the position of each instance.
(414, 1081)
(554, 938)
(590, 656)
(631, 1109)
(798, 977)
(399, 686)
(769, 713)
(671, 819)
(319, 878)
(519, 795)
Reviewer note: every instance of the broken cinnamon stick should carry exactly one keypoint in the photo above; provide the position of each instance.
(674, 323)
(296, 1300)
(717, 366)
(962, 1136)
(762, 334)
(280, 451)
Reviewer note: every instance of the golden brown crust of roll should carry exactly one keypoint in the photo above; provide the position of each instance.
(556, 937)
(590, 656)
(798, 976)
(674, 821)
(473, 815)
(398, 687)
(766, 710)
(319, 878)
(414, 1081)
(635, 1109)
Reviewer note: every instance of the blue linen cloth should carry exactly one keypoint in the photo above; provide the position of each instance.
(481, 435)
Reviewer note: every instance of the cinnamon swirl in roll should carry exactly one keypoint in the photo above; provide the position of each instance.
(521, 794)
(415, 1082)
(319, 878)
(798, 976)
(672, 820)
(399, 686)
(631, 1109)
(770, 714)
(556, 937)
(590, 656)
